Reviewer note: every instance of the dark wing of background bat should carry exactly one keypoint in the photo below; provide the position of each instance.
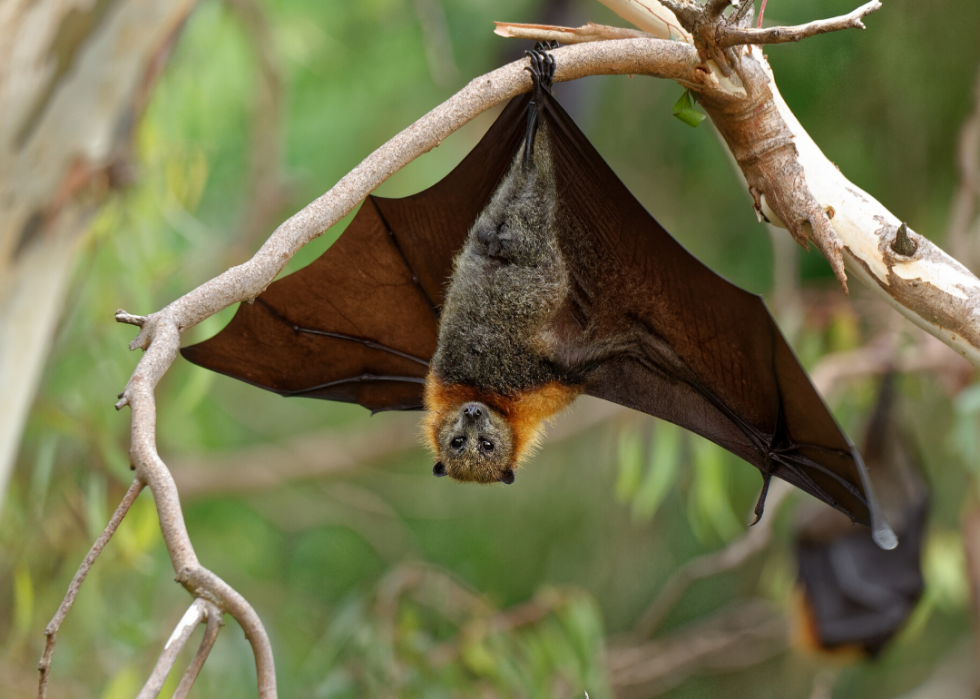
(360, 324)
(708, 355)
(855, 594)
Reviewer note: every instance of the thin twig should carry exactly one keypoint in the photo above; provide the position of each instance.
(51, 631)
(567, 35)
(734, 638)
(194, 615)
(741, 549)
(739, 36)
(207, 643)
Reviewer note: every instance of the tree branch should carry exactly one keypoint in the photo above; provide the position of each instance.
(734, 638)
(51, 632)
(207, 643)
(737, 36)
(567, 35)
(194, 615)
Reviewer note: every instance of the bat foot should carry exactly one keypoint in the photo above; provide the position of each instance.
(542, 68)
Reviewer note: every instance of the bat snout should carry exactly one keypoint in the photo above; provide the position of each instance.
(473, 412)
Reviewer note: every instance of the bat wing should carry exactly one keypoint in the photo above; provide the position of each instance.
(360, 324)
(705, 355)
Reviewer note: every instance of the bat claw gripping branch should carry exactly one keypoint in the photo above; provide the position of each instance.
(542, 70)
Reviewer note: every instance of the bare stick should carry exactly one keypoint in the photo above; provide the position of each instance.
(736, 36)
(741, 549)
(740, 636)
(567, 35)
(51, 631)
(207, 643)
(194, 615)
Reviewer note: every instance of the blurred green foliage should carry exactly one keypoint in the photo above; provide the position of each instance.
(356, 576)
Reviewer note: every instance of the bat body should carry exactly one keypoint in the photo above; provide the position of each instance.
(526, 277)
(853, 595)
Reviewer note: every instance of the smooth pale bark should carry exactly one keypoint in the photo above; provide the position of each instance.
(74, 76)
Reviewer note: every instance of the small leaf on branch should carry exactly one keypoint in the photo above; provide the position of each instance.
(685, 110)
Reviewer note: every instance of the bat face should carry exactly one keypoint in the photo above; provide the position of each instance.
(475, 443)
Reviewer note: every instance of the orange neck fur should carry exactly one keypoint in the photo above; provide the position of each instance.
(525, 412)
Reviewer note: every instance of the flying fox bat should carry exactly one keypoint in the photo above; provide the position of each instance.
(854, 596)
(528, 276)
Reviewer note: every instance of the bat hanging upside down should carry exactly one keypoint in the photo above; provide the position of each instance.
(528, 276)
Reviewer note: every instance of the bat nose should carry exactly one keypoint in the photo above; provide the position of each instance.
(472, 411)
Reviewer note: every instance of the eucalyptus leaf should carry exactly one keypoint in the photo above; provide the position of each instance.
(685, 110)
(661, 472)
(630, 464)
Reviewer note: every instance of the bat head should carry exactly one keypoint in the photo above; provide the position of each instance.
(475, 443)
(483, 437)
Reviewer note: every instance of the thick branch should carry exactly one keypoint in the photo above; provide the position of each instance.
(736, 36)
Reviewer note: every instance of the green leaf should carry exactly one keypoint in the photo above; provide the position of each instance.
(685, 110)
(661, 473)
(630, 464)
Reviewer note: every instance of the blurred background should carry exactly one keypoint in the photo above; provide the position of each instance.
(375, 579)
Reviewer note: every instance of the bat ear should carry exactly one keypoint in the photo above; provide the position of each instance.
(507, 477)
(439, 470)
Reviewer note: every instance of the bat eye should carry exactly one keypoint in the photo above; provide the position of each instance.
(487, 445)
(458, 442)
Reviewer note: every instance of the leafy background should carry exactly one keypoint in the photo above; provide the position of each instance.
(381, 581)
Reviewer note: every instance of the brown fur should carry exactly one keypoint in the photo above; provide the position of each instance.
(525, 412)
(806, 636)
